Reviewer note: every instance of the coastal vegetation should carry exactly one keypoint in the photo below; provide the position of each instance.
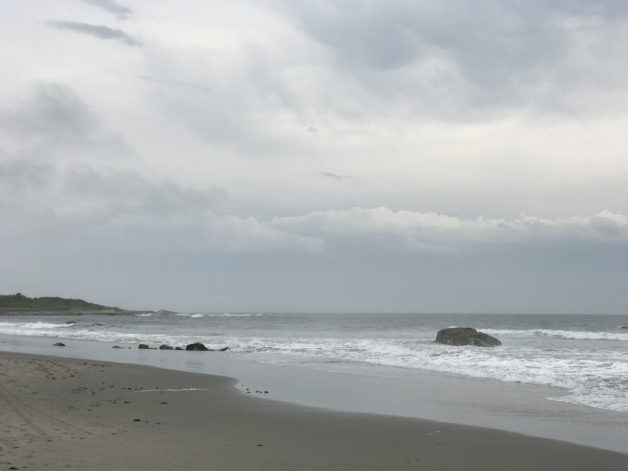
(18, 303)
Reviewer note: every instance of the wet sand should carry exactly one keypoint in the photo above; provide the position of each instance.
(59, 413)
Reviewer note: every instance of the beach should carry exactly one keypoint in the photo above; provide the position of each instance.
(63, 413)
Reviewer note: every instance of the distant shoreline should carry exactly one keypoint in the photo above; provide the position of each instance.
(19, 305)
(70, 312)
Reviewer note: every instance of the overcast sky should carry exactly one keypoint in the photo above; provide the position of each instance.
(328, 155)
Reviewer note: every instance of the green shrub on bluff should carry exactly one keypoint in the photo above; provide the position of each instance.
(19, 302)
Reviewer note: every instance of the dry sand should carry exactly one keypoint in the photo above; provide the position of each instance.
(74, 414)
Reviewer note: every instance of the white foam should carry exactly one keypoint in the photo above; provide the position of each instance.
(198, 315)
(32, 327)
(598, 379)
(591, 376)
(564, 334)
(52, 330)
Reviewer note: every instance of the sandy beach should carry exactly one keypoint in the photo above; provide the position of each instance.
(81, 414)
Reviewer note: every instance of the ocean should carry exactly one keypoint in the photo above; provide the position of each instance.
(584, 357)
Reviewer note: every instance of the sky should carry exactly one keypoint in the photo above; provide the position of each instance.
(327, 156)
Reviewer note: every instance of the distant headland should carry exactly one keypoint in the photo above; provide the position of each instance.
(23, 305)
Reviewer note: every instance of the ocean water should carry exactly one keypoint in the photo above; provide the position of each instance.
(585, 356)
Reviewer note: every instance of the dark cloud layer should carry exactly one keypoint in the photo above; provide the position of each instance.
(96, 31)
(111, 6)
(504, 34)
(459, 58)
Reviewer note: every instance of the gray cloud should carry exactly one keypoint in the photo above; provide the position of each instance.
(127, 192)
(17, 174)
(51, 112)
(334, 175)
(128, 212)
(96, 31)
(112, 229)
(384, 229)
(232, 112)
(52, 123)
(111, 6)
(459, 59)
(176, 83)
(502, 34)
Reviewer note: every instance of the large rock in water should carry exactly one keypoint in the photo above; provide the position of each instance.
(197, 347)
(466, 336)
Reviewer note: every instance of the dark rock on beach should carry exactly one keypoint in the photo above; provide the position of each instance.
(116, 346)
(460, 336)
(165, 347)
(178, 348)
(143, 346)
(224, 349)
(59, 344)
(197, 347)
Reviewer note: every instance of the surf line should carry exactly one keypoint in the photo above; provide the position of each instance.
(172, 390)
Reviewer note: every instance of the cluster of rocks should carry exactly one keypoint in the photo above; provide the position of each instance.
(457, 336)
(192, 347)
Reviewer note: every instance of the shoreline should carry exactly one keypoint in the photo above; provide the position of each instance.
(69, 413)
(509, 407)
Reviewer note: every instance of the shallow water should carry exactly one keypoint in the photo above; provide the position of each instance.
(585, 355)
(375, 389)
